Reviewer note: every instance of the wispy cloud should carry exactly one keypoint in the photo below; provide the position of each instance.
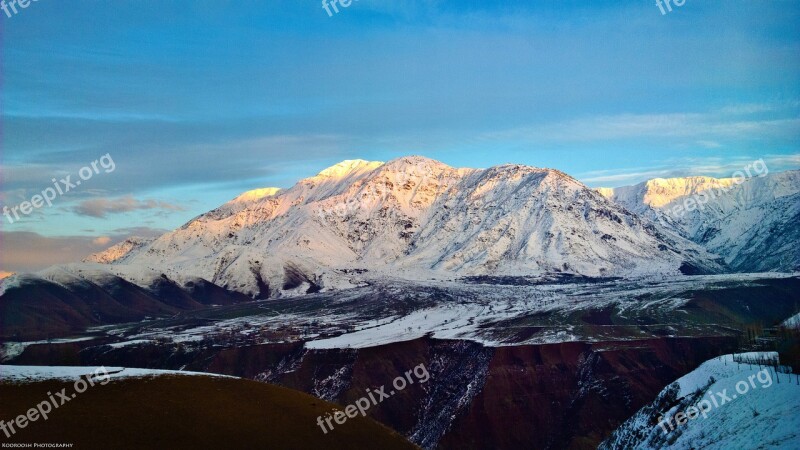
(709, 144)
(102, 240)
(749, 108)
(702, 129)
(685, 167)
(101, 207)
(25, 251)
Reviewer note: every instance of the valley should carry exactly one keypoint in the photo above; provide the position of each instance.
(512, 360)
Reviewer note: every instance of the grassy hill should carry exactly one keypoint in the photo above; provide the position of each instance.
(188, 412)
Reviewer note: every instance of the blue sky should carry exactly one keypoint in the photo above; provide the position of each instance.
(199, 101)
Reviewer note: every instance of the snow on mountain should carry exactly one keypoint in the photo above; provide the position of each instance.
(414, 218)
(653, 195)
(743, 406)
(118, 252)
(752, 223)
(32, 374)
(793, 322)
(760, 238)
(256, 194)
(517, 220)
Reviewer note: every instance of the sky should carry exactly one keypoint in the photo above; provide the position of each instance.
(196, 102)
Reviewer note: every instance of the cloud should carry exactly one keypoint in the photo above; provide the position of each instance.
(102, 240)
(709, 144)
(686, 167)
(701, 127)
(139, 231)
(100, 207)
(783, 162)
(748, 108)
(615, 178)
(24, 251)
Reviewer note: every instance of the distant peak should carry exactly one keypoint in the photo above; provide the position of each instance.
(605, 192)
(675, 182)
(119, 250)
(414, 159)
(688, 180)
(256, 194)
(416, 162)
(347, 167)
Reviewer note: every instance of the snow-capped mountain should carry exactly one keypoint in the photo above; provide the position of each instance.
(413, 218)
(654, 195)
(752, 223)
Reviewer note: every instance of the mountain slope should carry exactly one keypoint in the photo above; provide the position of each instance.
(116, 253)
(162, 410)
(65, 300)
(760, 411)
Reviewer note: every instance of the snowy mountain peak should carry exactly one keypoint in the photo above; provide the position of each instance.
(349, 167)
(417, 162)
(256, 194)
(659, 192)
(606, 192)
(662, 191)
(416, 170)
(118, 252)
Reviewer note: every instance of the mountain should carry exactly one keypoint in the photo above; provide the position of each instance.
(68, 299)
(413, 218)
(752, 222)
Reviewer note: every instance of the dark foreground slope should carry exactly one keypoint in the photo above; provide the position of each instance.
(188, 412)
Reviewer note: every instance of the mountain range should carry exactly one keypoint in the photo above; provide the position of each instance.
(413, 218)
(416, 219)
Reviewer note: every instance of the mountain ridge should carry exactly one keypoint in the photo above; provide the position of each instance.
(752, 222)
(414, 217)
